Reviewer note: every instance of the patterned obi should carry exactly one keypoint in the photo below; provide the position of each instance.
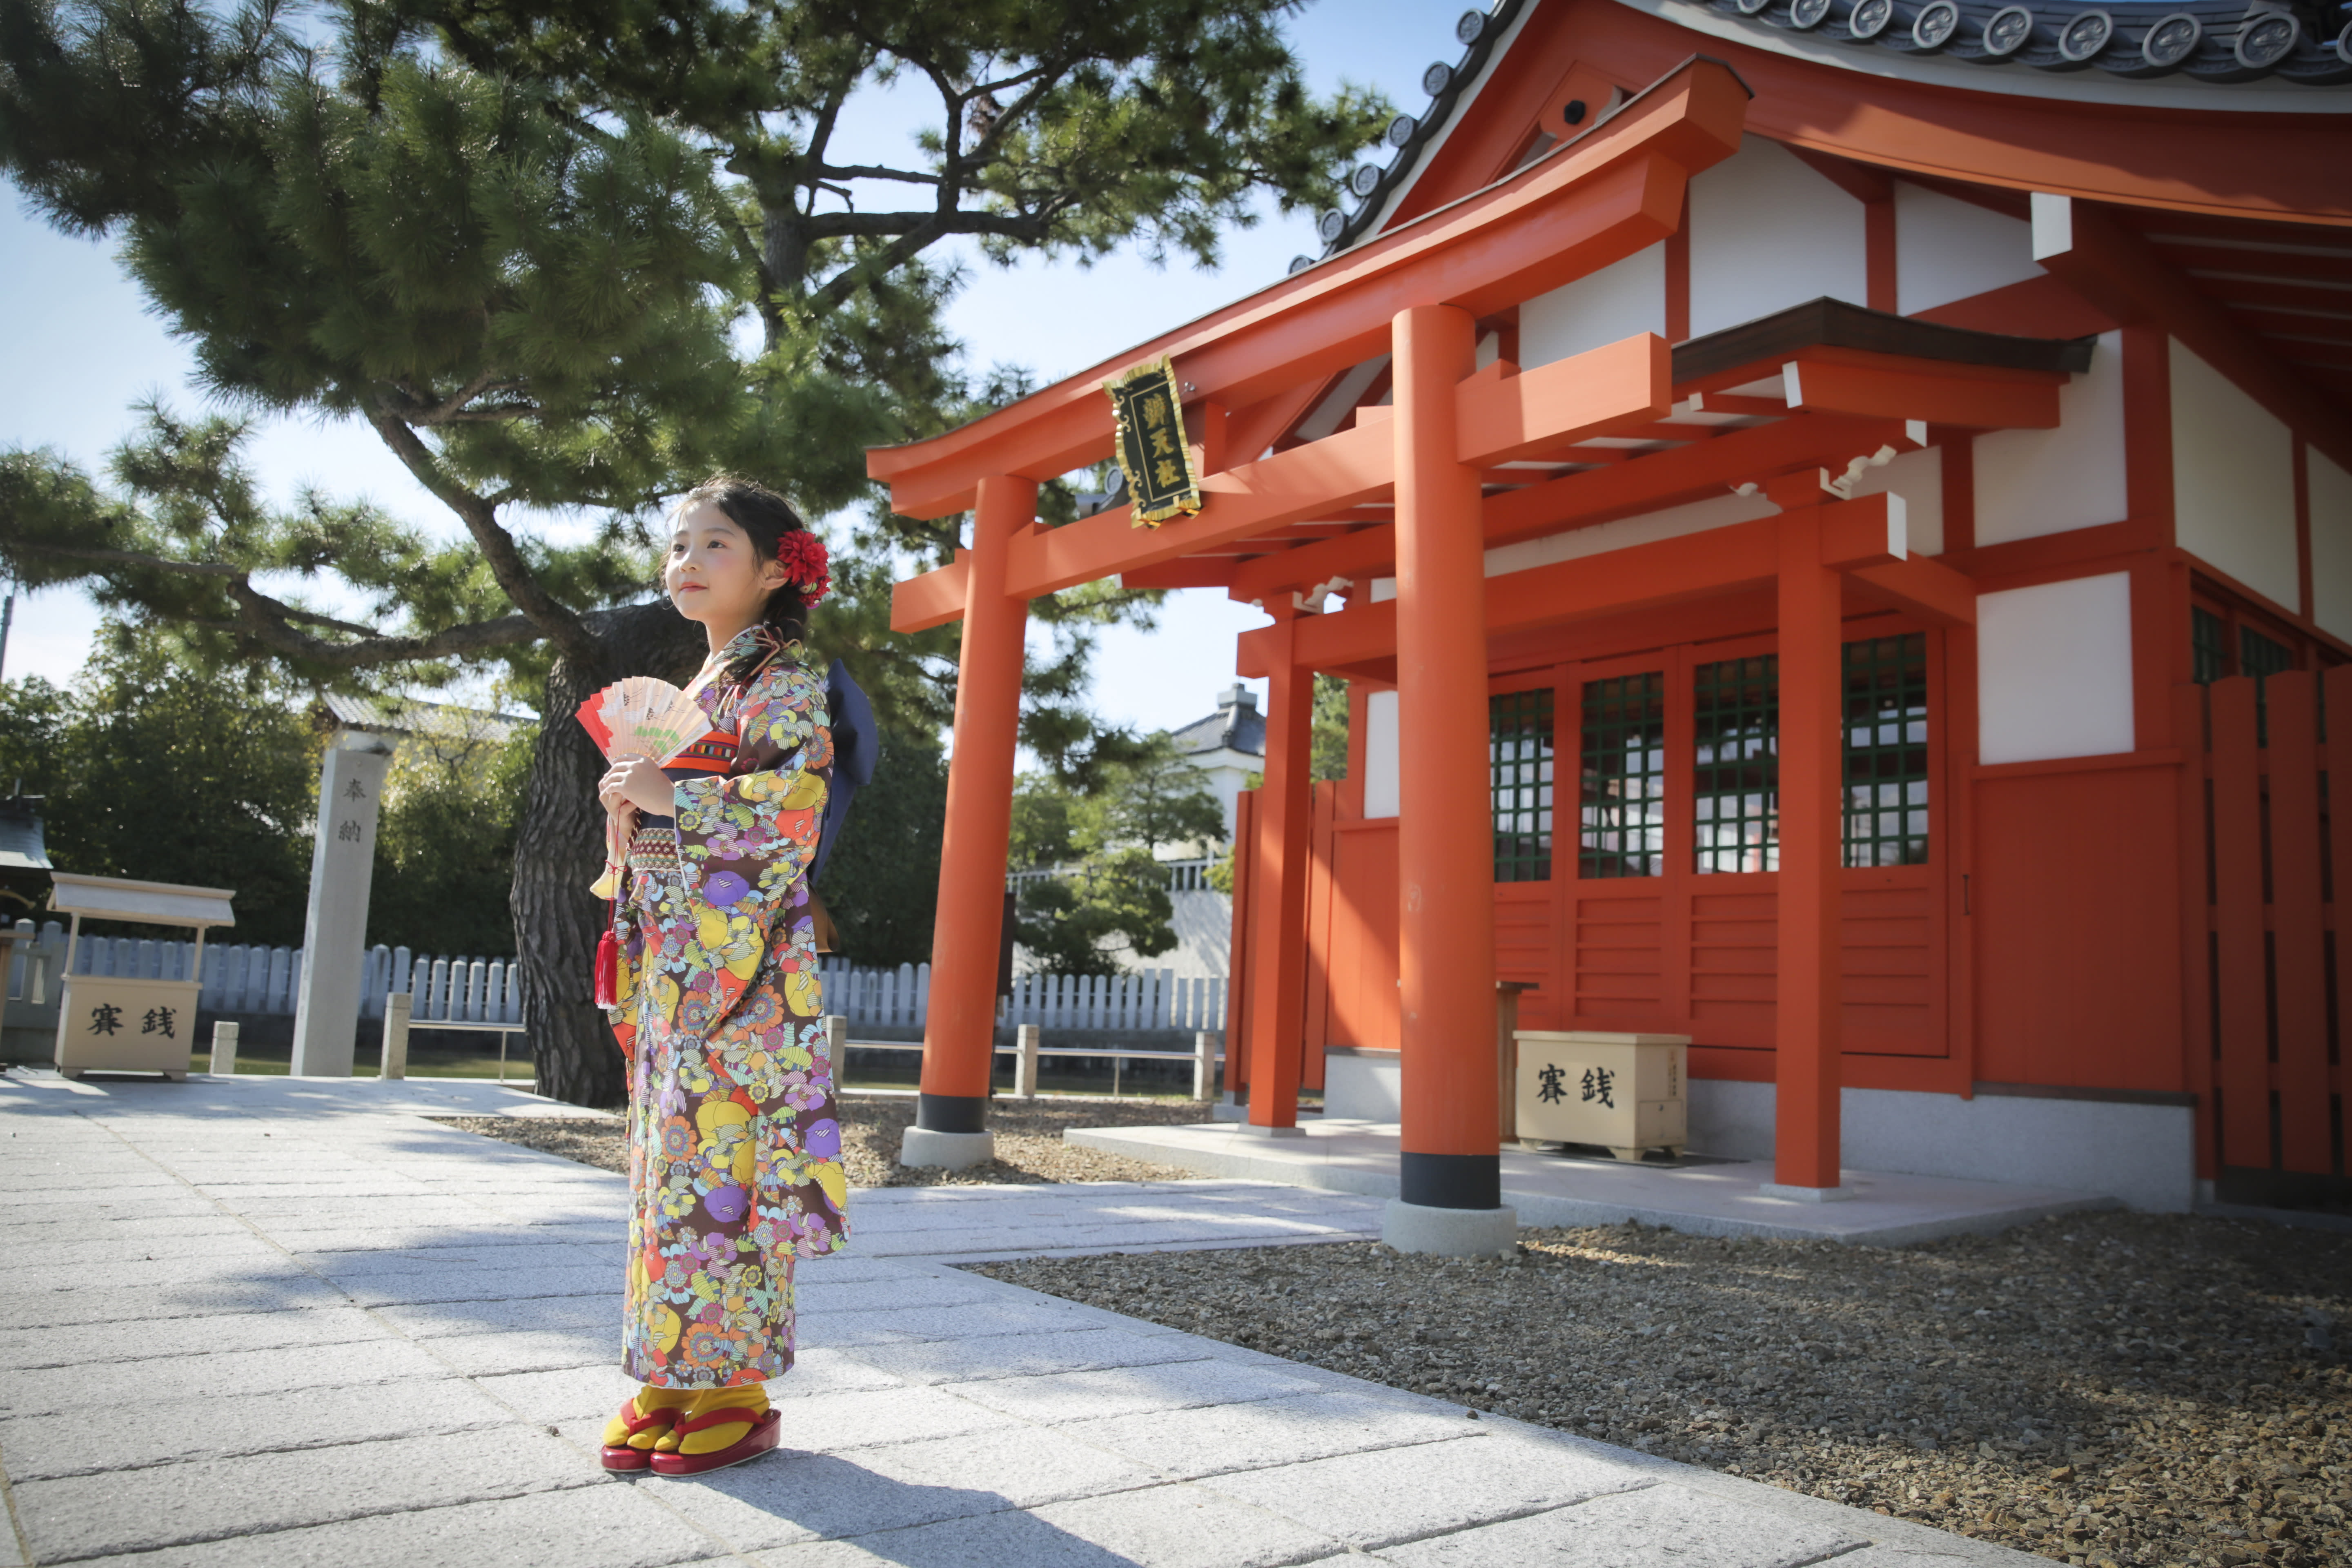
(655, 846)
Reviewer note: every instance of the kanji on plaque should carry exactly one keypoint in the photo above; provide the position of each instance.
(105, 1018)
(1160, 476)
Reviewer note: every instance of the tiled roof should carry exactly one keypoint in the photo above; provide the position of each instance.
(1236, 725)
(2205, 40)
(1410, 136)
(410, 718)
(22, 847)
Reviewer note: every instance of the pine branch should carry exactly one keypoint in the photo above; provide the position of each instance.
(512, 573)
(271, 621)
(871, 172)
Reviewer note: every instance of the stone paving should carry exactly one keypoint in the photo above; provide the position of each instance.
(282, 1322)
(1709, 1197)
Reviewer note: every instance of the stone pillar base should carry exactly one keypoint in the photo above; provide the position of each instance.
(1449, 1232)
(923, 1148)
(1255, 1131)
(1804, 1194)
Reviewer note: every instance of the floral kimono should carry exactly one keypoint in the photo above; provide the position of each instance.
(734, 1149)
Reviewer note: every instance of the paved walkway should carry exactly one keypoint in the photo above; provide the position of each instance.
(1714, 1197)
(257, 1323)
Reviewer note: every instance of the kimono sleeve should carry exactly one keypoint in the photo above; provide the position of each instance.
(744, 844)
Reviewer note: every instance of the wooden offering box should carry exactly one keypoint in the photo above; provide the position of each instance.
(1622, 1093)
(133, 1023)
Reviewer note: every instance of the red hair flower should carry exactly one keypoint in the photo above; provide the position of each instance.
(805, 564)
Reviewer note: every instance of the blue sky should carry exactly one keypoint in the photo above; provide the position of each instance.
(71, 367)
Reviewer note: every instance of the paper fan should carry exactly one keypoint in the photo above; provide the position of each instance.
(642, 717)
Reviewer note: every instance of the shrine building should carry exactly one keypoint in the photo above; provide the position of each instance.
(1836, 516)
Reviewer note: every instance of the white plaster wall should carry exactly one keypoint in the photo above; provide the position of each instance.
(1766, 233)
(1697, 517)
(2054, 670)
(1363, 1088)
(2144, 1155)
(1948, 249)
(2032, 483)
(1623, 298)
(1918, 478)
(1381, 763)
(2232, 480)
(2331, 544)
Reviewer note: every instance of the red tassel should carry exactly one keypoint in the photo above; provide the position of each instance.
(608, 967)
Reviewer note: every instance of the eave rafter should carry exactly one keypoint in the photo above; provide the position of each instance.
(1594, 202)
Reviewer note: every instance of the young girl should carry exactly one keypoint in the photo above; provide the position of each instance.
(734, 1151)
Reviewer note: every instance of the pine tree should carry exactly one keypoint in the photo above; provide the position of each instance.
(516, 241)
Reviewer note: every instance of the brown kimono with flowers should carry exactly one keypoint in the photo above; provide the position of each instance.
(734, 1148)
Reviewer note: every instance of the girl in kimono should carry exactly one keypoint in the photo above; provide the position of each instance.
(734, 1151)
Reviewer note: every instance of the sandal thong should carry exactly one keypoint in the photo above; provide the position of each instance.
(765, 1426)
(624, 1455)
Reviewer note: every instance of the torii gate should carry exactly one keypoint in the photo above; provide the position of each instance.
(1276, 530)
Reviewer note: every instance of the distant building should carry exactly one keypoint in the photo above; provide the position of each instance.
(1228, 746)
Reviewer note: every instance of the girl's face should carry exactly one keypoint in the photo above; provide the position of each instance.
(714, 575)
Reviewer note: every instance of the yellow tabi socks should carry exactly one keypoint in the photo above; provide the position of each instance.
(751, 1400)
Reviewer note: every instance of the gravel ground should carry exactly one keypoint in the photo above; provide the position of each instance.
(1029, 1146)
(2123, 1389)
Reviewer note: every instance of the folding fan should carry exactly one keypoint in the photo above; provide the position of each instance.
(642, 717)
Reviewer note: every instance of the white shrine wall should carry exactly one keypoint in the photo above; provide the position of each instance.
(2032, 483)
(2054, 670)
(2330, 491)
(1383, 789)
(1622, 299)
(2232, 481)
(1766, 233)
(1948, 249)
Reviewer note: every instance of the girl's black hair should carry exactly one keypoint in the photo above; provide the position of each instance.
(765, 517)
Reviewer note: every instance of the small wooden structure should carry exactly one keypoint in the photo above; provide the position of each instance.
(1624, 1092)
(136, 1024)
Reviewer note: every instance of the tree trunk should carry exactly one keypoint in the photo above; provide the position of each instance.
(560, 848)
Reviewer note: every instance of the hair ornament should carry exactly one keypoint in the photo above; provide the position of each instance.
(806, 565)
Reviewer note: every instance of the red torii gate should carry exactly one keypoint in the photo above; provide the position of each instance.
(1249, 371)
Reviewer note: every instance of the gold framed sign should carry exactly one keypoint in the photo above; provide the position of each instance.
(1151, 451)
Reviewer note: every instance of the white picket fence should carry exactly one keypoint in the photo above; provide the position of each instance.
(239, 978)
(1152, 999)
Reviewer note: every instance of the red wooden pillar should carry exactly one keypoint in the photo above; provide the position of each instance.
(1277, 927)
(959, 1035)
(1449, 1158)
(1812, 813)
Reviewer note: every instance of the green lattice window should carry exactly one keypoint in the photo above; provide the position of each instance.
(2208, 646)
(2259, 655)
(1519, 757)
(1736, 771)
(1621, 804)
(1886, 751)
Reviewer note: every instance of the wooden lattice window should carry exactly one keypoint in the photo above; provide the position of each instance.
(1519, 756)
(1621, 806)
(1887, 751)
(2208, 646)
(1736, 775)
(2259, 655)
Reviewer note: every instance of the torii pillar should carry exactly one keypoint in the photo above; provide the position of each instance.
(1449, 1159)
(950, 1128)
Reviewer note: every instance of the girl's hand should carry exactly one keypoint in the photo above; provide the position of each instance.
(636, 782)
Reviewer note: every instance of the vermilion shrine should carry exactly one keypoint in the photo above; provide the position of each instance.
(1895, 469)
